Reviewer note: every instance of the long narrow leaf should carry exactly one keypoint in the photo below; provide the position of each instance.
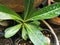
(30, 13)
(24, 33)
(28, 5)
(35, 35)
(6, 13)
(9, 32)
(46, 12)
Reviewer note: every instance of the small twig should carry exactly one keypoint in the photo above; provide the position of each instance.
(57, 42)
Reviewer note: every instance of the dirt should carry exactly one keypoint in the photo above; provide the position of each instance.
(19, 41)
(4, 41)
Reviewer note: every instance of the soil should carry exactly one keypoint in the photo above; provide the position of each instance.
(19, 41)
(48, 34)
(4, 41)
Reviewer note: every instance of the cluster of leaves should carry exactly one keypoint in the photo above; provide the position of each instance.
(29, 23)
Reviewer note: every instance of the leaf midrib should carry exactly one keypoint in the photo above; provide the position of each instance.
(34, 33)
(43, 13)
(27, 9)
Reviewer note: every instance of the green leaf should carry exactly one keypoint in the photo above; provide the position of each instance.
(24, 33)
(9, 32)
(37, 23)
(28, 5)
(35, 35)
(30, 13)
(7, 14)
(46, 12)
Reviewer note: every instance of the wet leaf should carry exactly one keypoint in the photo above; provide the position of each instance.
(46, 12)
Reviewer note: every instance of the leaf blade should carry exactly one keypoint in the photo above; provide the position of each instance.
(7, 13)
(37, 23)
(9, 32)
(46, 12)
(24, 33)
(35, 35)
(28, 5)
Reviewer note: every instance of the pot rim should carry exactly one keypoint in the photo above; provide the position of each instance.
(55, 42)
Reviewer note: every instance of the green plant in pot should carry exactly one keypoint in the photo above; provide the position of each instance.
(28, 22)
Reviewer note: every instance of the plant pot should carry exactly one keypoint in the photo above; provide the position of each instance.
(18, 5)
(4, 41)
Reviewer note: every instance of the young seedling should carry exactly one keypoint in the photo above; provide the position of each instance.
(29, 21)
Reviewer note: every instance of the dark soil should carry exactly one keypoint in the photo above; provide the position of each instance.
(19, 41)
(4, 41)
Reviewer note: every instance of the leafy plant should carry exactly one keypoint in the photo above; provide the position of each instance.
(29, 23)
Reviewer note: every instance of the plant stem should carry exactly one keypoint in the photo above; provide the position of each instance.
(51, 31)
